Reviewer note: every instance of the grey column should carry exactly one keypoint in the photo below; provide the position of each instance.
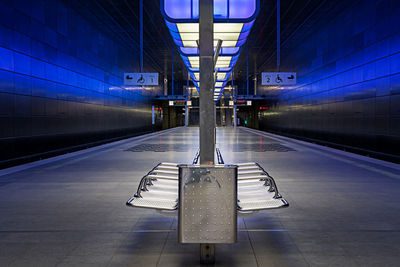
(187, 98)
(207, 105)
(234, 94)
(255, 75)
(165, 78)
(247, 80)
(141, 34)
(278, 35)
(234, 116)
(172, 71)
(186, 116)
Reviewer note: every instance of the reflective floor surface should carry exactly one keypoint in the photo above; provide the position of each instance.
(344, 209)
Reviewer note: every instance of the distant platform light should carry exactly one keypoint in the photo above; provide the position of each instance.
(233, 20)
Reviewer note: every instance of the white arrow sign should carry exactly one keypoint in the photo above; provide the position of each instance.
(141, 79)
(278, 78)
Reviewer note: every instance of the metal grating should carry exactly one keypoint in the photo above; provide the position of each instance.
(275, 147)
(161, 148)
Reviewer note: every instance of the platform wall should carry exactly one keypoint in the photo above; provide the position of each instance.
(348, 89)
(60, 80)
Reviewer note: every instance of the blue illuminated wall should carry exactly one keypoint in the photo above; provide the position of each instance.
(348, 88)
(59, 80)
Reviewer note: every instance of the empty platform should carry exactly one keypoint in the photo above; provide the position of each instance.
(70, 210)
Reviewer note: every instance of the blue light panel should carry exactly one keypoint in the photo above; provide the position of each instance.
(233, 20)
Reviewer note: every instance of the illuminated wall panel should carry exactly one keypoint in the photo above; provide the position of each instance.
(60, 79)
(348, 80)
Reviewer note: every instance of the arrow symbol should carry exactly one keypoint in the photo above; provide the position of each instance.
(129, 77)
(291, 77)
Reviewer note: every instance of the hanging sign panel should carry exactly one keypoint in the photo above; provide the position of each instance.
(141, 79)
(179, 103)
(240, 103)
(278, 78)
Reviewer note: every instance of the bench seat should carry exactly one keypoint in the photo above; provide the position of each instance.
(256, 189)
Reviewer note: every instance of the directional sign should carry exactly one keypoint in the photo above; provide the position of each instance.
(179, 103)
(240, 103)
(278, 78)
(141, 79)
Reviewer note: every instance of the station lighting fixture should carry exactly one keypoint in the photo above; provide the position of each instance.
(233, 20)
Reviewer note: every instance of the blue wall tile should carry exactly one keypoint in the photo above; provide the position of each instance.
(351, 66)
(6, 59)
(56, 63)
(6, 81)
(22, 63)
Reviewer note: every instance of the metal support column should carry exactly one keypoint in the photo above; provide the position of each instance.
(207, 105)
(141, 34)
(153, 116)
(187, 86)
(165, 85)
(234, 91)
(165, 77)
(234, 116)
(187, 98)
(278, 35)
(234, 95)
(186, 115)
(247, 55)
(207, 253)
(255, 76)
(255, 84)
(172, 70)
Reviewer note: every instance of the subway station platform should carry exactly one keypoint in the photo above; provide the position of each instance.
(70, 210)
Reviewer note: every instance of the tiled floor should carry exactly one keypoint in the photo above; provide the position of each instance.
(344, 211)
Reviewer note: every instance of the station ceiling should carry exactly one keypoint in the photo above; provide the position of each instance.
(121, 17)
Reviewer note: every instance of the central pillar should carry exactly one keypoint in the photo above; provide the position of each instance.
(207, 105)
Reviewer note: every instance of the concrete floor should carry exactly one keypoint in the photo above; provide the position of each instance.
(344, 209)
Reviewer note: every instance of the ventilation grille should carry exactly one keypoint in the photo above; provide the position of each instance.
(162, 148)
(276, 147)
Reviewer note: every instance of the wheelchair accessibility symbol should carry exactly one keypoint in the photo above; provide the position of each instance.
(141, 80)
(278, 78)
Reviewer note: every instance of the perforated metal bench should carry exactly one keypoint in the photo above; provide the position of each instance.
(158, 189)
(256, 189)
